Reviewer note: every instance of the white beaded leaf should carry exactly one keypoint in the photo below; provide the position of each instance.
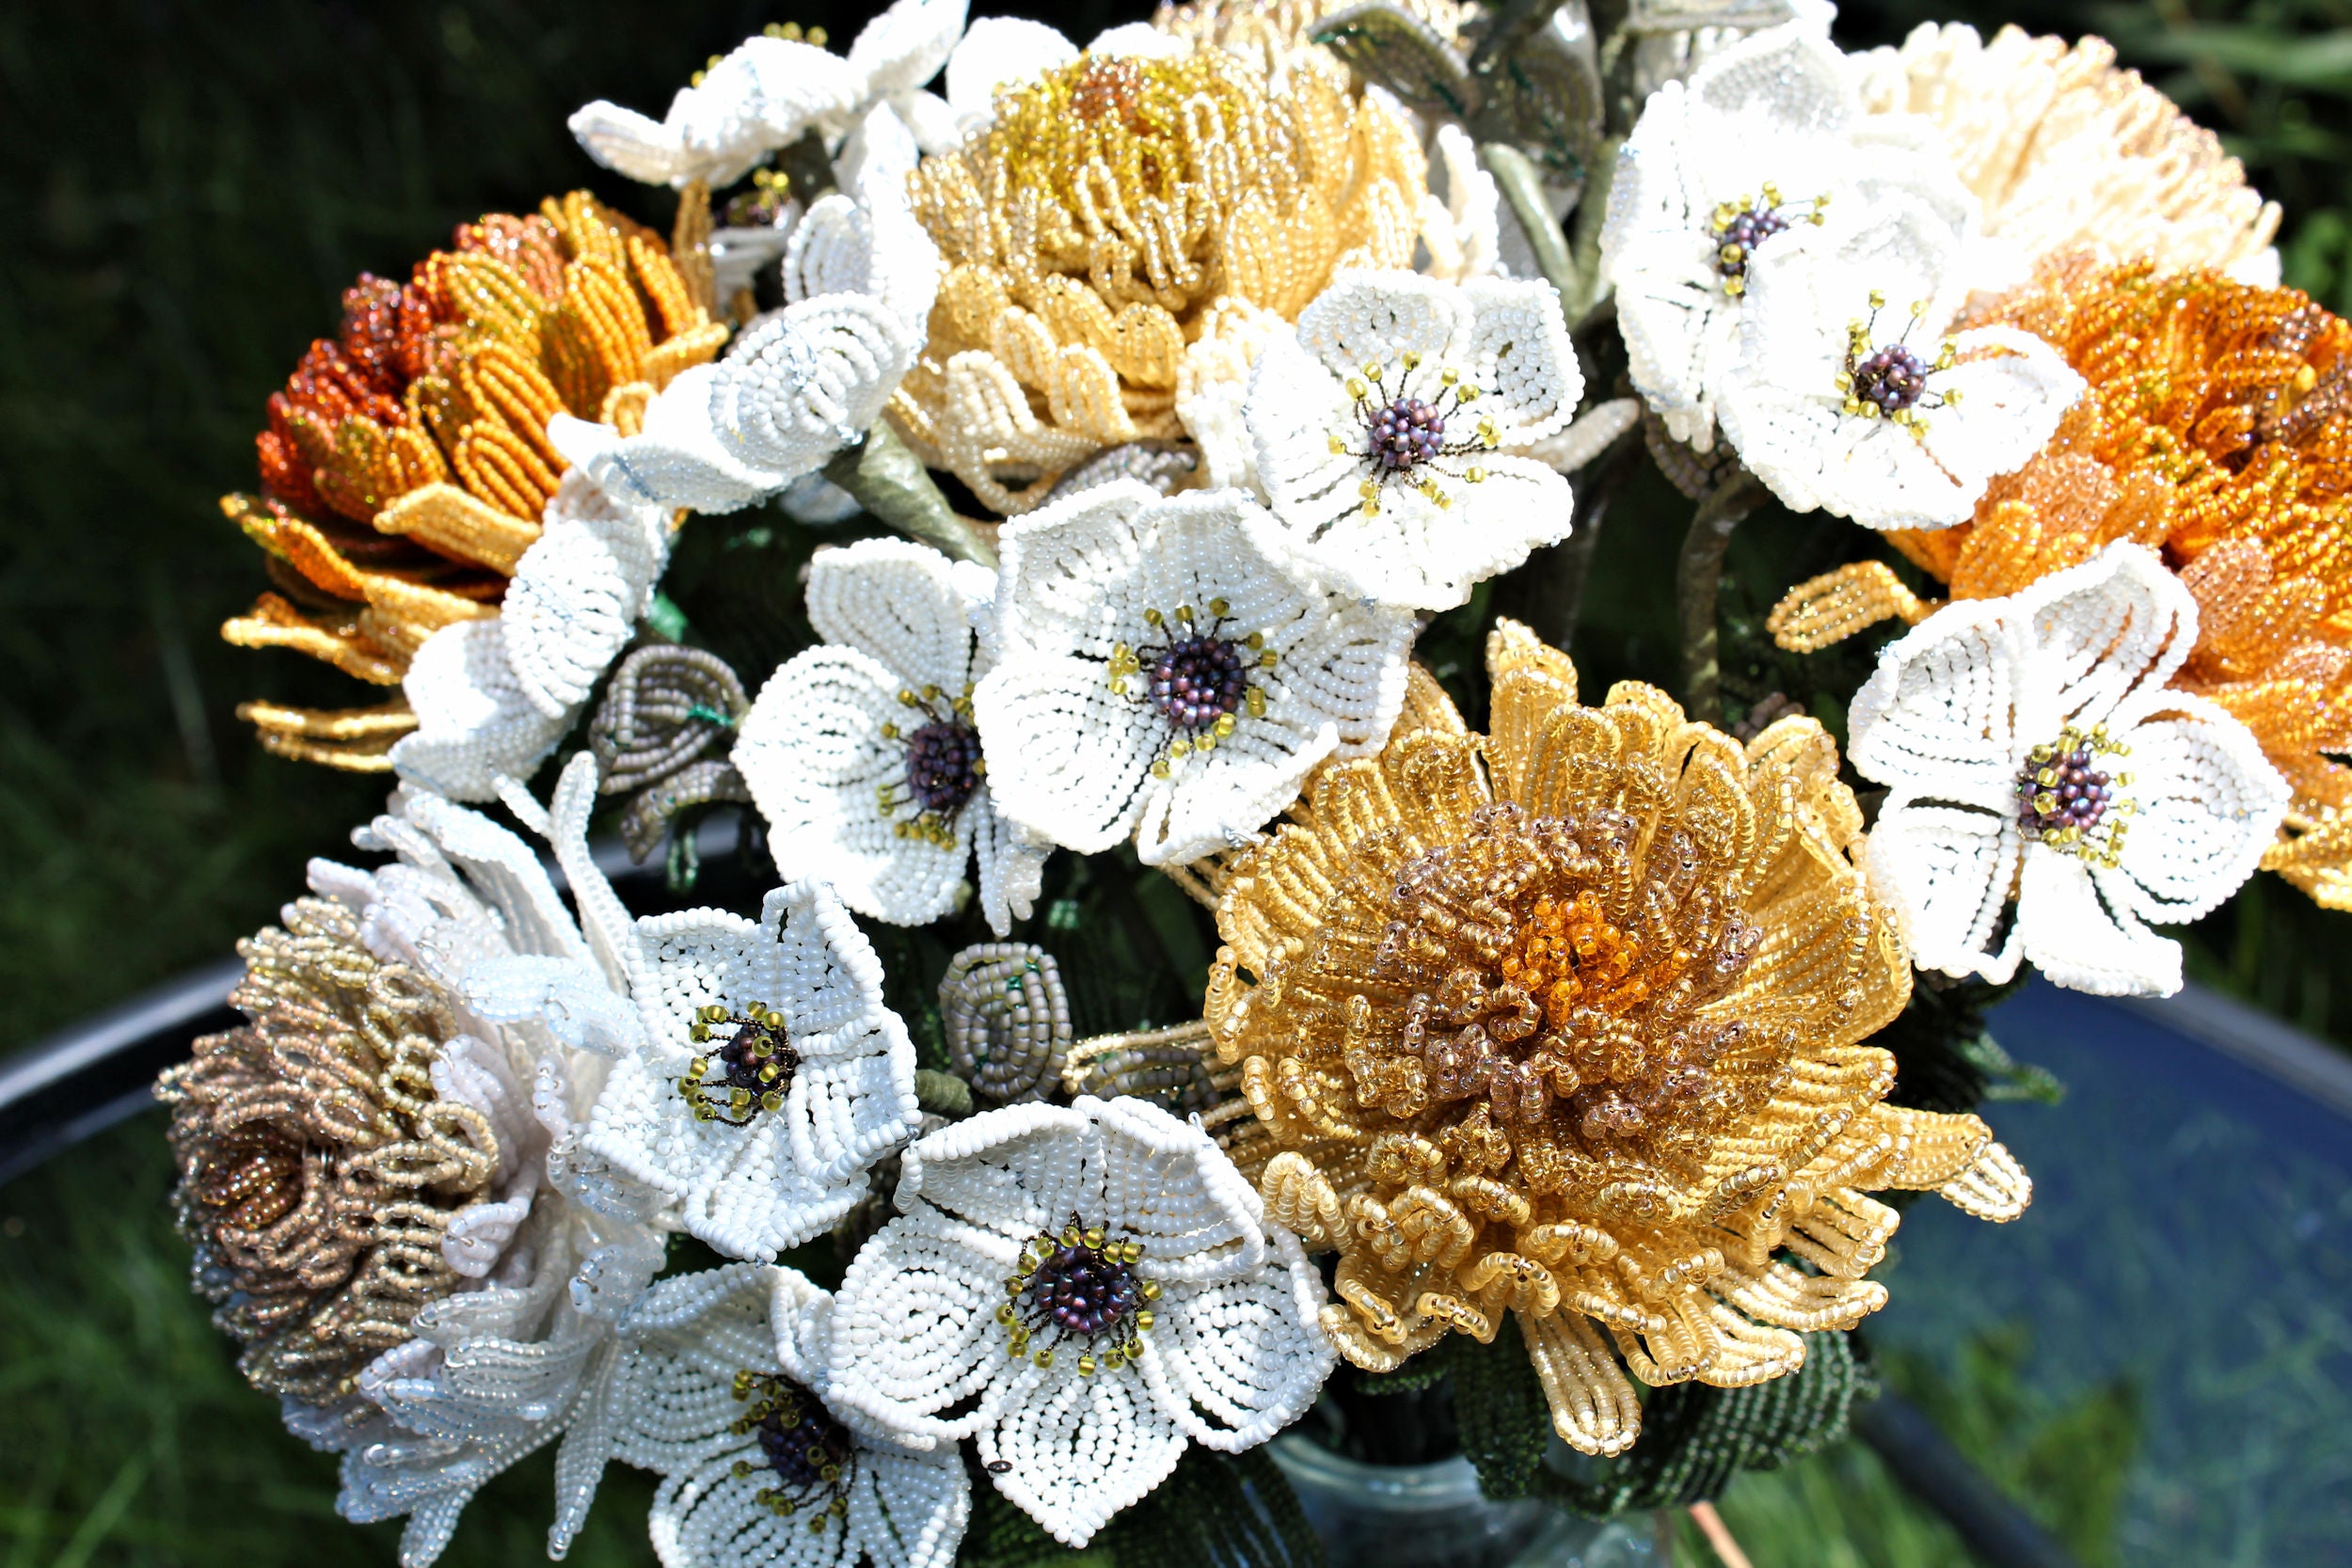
(578, 592)
(808, 382)
(1775, 108)
(1782, 408)
(1434, 531)
(1071, 759)
(1234, 1355)
(1950, 720)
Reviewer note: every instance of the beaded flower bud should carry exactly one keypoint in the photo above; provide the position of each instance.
(1566, 1019)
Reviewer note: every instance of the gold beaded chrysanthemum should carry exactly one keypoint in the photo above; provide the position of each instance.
(1122, 225)
(407, 461)
(2217, 428)
(1277, 36)
(318, 1167)
(1566, 1019)
(2067, 152)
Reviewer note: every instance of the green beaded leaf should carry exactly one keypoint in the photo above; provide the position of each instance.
(1540, 85)
(1383, 42)
(1505, 1421)
(1695, 1439)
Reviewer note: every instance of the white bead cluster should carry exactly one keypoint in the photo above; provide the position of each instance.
(1490, 357)
(1951, 722)
(1081, 754)
(827, 739)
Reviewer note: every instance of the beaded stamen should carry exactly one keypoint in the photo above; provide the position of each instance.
(1405, 435)
(1738, 227)
(1081, 1286)
(750, 1072)
(1197, 680)
(943, 766)
(1890, 381)
(813, 1455)
(2070, 804)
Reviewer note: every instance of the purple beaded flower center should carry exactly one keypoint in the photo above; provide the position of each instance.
(2081, 793)
(804, 1446)
(1736, 241)
(1198, 680)
(1081, 1290)
(1405, 435)
(1893, 378)
(943, 766)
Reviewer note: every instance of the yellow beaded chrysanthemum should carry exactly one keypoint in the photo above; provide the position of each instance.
(407, 461)
(1277, 36)
(1568, 1019)
(2217, 428)
(1117, 230)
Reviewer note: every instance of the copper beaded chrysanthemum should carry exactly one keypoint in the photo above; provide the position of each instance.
(2217, 428)
(1566, 1019)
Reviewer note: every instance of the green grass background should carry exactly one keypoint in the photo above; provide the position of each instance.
(185, 190)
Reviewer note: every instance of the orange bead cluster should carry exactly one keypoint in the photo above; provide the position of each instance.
(407, 462)
(1569, 1021)
(2217, 428)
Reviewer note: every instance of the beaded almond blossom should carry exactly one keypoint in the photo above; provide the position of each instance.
(1766, 137)
(864, 754)
(1566, 1019)
(409, 474)
(2034, 752)
(1842, 400)
(1381, 431)
(2068, 153)
(1082, 1289)
(1159, 675)
(717, 1384)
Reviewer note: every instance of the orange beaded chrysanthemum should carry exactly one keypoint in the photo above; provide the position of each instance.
(2217, 427)
(1568, 1019)
(407, 461)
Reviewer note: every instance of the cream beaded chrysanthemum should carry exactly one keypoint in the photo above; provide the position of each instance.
(1847, 394)
(1384, 432)
(863, 755)
(1159, 676)
(1766, 137)
(1082, 1289)
(717, 1385)
(492, 697)
(2034, 752)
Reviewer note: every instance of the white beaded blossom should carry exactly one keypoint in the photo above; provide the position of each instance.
(862, 754)
(1383, 431)
(2033, 753)
(1081, 1289)
(758, 1072)
(1158, 674)
(1766, 139)
(770, 91)
(717, 1384)
(1852, 394)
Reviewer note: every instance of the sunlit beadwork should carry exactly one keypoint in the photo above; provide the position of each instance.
(1007, 1018)
(1566, 1019)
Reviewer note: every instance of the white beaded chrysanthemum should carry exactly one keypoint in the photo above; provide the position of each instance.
(1158, 674)
(2033, 753)
(492, 697)
(863, 755)
(717, 1385)
(1849, 394)
(1081, 1289)
(771, 91)
(1383, 431)
(1766, 139)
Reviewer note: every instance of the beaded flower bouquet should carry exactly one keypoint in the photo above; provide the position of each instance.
(1105, 525)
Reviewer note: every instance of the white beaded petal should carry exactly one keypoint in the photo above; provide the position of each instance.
(1231, 1354)
(1490, 357)
(475, 723)
(1080, 756)
(1951, 722)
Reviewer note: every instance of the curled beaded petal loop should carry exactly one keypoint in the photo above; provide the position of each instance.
(751, 1070)
(1197, 680)
(1404, 436)
(1081, 1287)
(2067, 802)
(1890, 381)
(1738, 227)
(812, 1455)
(943, 766)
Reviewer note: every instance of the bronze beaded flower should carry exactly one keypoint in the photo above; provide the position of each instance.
(1568, 1019)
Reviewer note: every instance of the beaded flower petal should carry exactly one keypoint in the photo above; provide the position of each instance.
(2033, 753)
(1159, 676)
(1847, 394)
(1767, 137)
(1566, 1019)
(1082, 1289)
(864, 754)
(409, 474)
(2068, 153)
(718, 1386)
(1382, 432)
